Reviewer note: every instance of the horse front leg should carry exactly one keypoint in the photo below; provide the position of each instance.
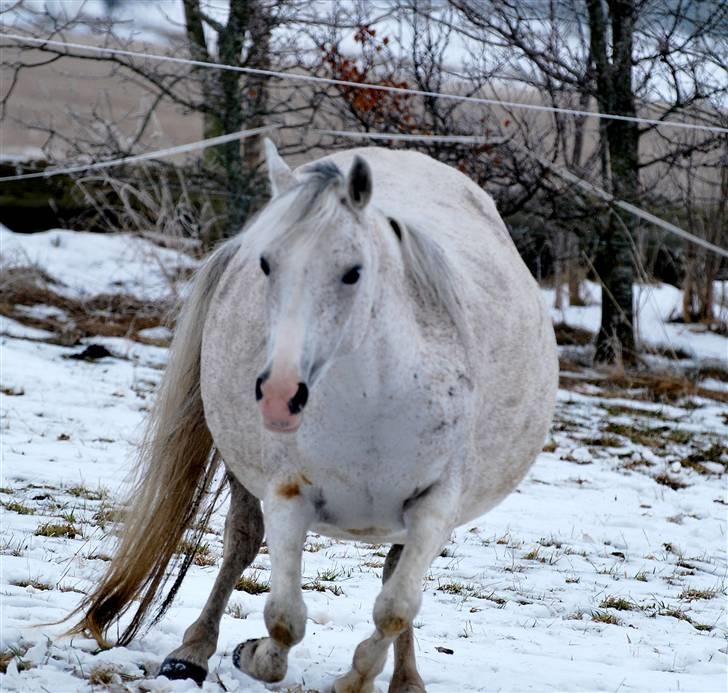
(429, 520)
(243, 537)
(287, 519)
(406, 678)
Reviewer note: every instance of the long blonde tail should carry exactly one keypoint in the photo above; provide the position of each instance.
(176, 466)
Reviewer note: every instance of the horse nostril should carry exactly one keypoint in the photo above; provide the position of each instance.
(258, 389)
(298, 401)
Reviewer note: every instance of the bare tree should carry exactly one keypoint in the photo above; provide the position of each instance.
(248, 34)
(630, 57)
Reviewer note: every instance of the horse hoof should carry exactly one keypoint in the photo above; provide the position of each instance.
(178, 669)
(262, 659)
(407, 688)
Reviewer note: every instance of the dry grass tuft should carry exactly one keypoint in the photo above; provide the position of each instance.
(666, 480)
(618, 603)
(14, 653)
(252, 585)
(658, 386)
(15, 507)
(34, 583)
(568, 335)
(107, 315)
(606, 617)
(50, 529)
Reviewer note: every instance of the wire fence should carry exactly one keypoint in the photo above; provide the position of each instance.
(299, 77)
(374, 136)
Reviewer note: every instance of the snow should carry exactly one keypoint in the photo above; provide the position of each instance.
(514, 596)
(655, 305)
(89, 264)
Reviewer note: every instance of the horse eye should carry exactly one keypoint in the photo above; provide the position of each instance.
(352, 276)
(264, 266)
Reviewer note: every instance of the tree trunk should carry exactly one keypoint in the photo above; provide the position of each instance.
(233, 103)
(614, 261)
(573, 271)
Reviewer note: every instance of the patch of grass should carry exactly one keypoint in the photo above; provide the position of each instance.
(110, 315)
(34, 583)
(691, 462)
(641, 576)
(702, 626)
(691, 594)
(7, 490)
(606, 617)
(374, 564)
(16, 653)
(251, 584)
(99, 557)
(51, 529)
(668, 351)
(636, 463)
(314, 546)
(680, 436)
(604, 441)
(672, 612)
(622, 410)
(317, 586)
(203, 557)
(572, 336)
(550, 541)
(656, 386)
(618, 603)
(715, 453)
(109, 677)
(649, 437)
(236, 610)
(468, 590)
(550, 446)
(330, 574)
(7, 548)
(15, 507)
(714, 373)
(69, 517)
(12, 391)
(87, 493)
(666, 480)
(532, 555)
(107, 514)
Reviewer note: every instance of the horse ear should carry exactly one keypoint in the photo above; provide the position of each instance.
(280, 175)
(360, 183)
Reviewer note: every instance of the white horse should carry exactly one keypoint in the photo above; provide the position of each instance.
(371, 359)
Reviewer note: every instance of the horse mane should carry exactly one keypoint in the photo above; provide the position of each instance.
(431, 272)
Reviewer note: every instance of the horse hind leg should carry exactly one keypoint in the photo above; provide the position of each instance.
(406, 678)
(243, 537)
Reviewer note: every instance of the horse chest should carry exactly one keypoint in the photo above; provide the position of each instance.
(366, 456)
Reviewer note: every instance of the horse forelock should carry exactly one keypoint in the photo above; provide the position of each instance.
(306, 210)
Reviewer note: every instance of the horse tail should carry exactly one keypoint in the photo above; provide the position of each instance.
(173, 475)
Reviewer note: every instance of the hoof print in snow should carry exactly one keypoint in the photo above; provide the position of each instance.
(178, 669)
(93, 352)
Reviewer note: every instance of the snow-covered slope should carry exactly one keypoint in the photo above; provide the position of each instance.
(596, 574)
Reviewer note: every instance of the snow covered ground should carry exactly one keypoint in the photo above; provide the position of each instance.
(606, 570)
